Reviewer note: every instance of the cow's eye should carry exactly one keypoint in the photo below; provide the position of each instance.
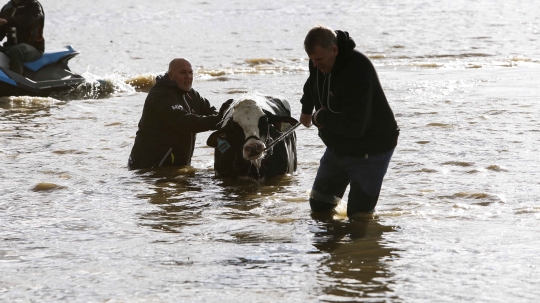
(223, 135)
(263, 121)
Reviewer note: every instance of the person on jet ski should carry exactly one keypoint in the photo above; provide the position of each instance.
(172, 115)
(21, 22)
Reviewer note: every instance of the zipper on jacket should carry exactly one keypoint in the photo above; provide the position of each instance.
(192, 135)
(187, 104)
(14, 29)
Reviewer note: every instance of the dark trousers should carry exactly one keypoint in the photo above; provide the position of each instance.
(21, 53)
(364, 174)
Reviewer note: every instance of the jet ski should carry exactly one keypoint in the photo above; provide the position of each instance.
(48, 74)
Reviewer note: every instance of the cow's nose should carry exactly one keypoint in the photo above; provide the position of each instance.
(250, 149)
(253, 150)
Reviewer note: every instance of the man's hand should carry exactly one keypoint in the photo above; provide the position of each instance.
(3, 21)
(305, 119)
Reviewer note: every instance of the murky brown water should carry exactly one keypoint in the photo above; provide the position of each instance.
(459, 211)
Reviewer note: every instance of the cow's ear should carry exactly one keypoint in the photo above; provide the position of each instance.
(212, 140)
(284, 119)
(283, 123)
(292, 121)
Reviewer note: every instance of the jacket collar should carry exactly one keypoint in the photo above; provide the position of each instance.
(164, 79)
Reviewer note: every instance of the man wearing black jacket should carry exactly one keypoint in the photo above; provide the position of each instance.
(22, 21)
(172, 115)
(354, 120)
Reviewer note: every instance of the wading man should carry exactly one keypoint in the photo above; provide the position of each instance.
(22, 21)
(172, 115)
(354, 120)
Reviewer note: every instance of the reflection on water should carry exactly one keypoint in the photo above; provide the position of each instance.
(174, 190)
(202, 210)
(354, 269)
(25, 108)
(183, 194)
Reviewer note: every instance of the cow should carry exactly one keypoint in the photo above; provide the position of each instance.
(249, 125)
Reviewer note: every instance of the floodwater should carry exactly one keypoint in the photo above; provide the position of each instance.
(457, 219)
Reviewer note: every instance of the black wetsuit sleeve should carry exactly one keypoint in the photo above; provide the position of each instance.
(32, 14)
(180, 118)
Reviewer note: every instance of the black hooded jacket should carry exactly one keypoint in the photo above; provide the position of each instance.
(28, 19)
(359, 119)
(167, 128)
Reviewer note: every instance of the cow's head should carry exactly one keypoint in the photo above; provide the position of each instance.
(244, 134)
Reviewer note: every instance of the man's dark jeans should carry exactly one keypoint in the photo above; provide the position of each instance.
(19, 54)
(365, 175)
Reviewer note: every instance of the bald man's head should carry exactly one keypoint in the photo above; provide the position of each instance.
(180, 71)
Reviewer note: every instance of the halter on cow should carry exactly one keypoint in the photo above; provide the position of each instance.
(249, 125)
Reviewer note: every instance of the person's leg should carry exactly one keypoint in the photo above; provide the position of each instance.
(330, 183)
(21, 53)
(366, 176)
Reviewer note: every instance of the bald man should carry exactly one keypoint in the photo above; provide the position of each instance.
(172, 115)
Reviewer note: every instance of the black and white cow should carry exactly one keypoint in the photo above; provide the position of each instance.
(249, 125)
